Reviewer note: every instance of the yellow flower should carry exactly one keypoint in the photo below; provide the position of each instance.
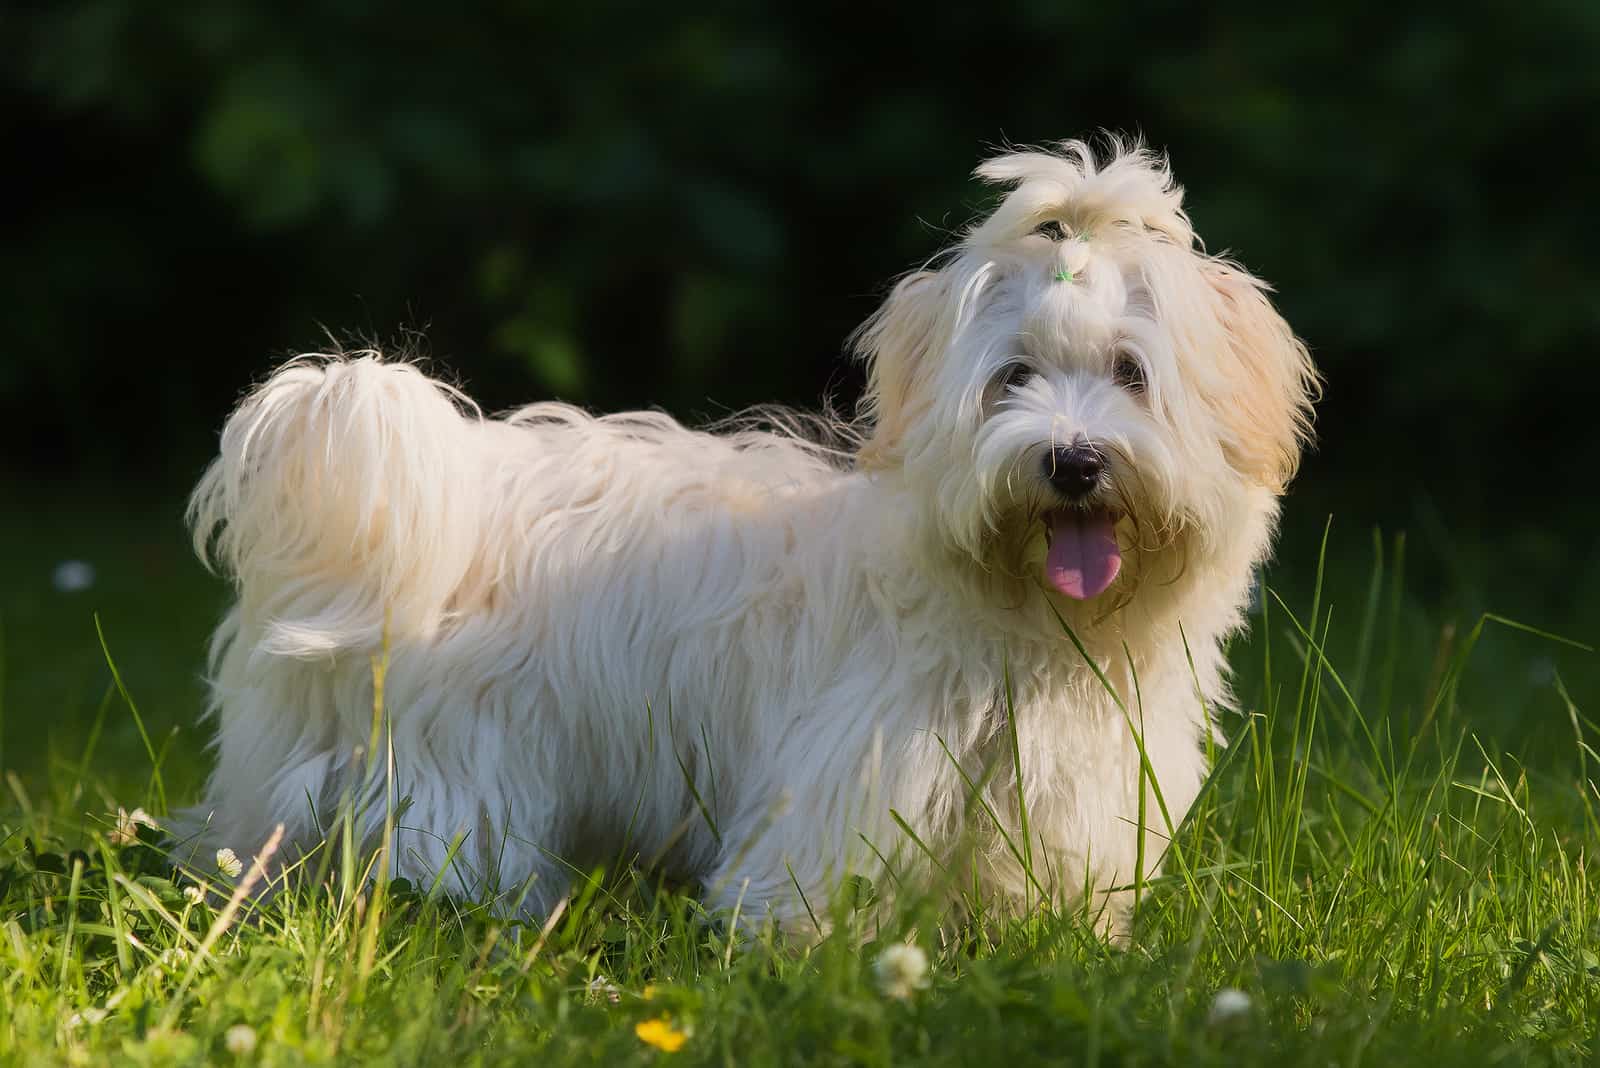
(660, 1033)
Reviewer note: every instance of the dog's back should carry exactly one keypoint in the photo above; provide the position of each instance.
(542, 577)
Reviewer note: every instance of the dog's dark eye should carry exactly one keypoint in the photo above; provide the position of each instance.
(1051, 229)
(1128, 373)
(1015, 376)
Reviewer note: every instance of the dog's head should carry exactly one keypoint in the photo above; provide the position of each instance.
(1076, 389)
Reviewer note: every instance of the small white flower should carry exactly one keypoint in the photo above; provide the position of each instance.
(172, 959)
(126, 832)
(240, 1040)
(228, 863)
(194, 894)
(73, 576)
(901, 970)
(601, 988)
(1229, 1008)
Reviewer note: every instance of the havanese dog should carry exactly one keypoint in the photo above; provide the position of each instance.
(988, 629)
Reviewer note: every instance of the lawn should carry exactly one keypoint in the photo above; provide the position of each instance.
(1394, 859)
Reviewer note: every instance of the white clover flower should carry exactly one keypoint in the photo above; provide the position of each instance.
(174, 958)
(73, 576)
(126, 831)
(228, 863)
(901, 970)
(87, 1016)
(194, 893)
(240, 1040)
(602, 989)
(1229, 1008)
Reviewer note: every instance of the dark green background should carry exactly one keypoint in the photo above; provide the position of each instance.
(631, 205)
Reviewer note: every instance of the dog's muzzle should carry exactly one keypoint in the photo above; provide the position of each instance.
(1083, 558)
(1074, 470)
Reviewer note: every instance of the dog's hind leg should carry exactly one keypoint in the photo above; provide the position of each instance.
(474, 837)
(752, 898)
(773, 872)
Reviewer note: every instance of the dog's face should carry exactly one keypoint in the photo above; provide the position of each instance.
(1082, 393)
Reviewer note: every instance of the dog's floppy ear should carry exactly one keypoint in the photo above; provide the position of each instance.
(895, 343)
(1276, 383)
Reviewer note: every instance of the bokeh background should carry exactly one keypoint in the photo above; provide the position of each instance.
(625, 204)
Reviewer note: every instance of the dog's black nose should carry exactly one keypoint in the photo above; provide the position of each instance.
(1075, 471)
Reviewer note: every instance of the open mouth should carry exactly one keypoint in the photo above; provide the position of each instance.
(1083, 559)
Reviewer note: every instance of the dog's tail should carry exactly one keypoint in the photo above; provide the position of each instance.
(343, 503)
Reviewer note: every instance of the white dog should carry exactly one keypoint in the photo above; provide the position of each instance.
(756, 660)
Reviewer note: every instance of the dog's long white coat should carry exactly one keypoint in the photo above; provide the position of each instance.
(735, 654)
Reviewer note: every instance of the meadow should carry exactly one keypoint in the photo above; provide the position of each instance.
(1393, 859)
(628, 205)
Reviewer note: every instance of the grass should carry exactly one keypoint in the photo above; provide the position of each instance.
(1368, 865)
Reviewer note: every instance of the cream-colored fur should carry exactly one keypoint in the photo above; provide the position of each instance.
(590, 620)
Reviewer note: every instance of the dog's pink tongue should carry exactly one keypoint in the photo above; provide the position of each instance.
(1083, 557)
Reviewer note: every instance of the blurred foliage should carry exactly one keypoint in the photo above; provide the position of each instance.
(632, 204)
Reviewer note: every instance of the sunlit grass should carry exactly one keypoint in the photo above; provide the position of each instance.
(1366, 878)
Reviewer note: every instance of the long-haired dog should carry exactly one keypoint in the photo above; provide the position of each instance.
(761, 662)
